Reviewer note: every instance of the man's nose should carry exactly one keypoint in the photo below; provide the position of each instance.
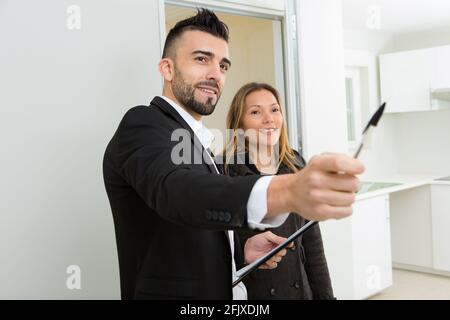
(215, 73)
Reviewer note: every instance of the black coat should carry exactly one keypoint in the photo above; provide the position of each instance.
(303, 272)
(170, 219)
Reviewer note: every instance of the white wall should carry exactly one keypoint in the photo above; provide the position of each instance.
(380, 155)
(422, 39)
(423, 136)
(373, 41)
(62, 95)
(321, 57)
(409, 142)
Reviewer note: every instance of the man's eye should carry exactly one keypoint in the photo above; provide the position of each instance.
(201, 59)
(224, 67)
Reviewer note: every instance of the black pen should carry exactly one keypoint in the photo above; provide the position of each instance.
(242, 273)
(368, 129)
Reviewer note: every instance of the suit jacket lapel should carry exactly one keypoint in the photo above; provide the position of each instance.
(170, 111)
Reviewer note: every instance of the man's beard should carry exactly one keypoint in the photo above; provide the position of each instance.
(185, 94)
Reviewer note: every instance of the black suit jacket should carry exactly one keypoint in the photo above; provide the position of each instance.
(170, 218)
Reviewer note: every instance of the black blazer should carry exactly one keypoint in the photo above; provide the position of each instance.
(303, 272)
(170, 218)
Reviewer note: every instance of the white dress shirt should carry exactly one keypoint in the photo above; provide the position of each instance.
(257, 202)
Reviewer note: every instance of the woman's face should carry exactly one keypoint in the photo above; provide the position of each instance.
(262, 117)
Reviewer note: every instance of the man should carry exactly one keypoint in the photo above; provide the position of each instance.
(170, 218)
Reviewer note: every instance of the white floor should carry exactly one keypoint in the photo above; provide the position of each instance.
(410, 285)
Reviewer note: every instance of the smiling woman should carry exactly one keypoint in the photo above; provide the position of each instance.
(303, 274)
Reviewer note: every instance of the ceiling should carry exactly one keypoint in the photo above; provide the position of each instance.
(398, 16)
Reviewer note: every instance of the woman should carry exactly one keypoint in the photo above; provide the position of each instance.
(259, 145)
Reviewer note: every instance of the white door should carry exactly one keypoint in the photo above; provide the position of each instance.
(411, 227)
(440, 214)
(371, 246)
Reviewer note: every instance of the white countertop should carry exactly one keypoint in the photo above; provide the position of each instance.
(407, 181)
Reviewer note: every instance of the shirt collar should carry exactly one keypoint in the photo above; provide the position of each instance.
(205, 136)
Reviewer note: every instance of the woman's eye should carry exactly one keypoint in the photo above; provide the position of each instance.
(275, 109)
(254, 112)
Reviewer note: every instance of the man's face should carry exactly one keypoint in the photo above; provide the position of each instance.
(201, 64)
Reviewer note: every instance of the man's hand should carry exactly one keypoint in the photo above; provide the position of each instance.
(262, 243)
(324, 189)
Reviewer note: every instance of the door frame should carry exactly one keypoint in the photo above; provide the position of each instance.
(354, 73)
(289, 44)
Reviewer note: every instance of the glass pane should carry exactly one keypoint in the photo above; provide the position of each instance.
(256, 50)
(350, 109)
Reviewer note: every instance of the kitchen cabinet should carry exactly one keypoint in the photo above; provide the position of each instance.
(358, 249)
(441, 67)
(408, 78)
(420, 224)
(405, 79)
(440, 78)
(440, 215)
(372, 246)
(411, 227)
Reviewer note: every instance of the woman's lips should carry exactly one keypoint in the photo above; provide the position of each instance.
(267, 131)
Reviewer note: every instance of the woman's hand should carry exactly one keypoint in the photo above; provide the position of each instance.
(262, 243)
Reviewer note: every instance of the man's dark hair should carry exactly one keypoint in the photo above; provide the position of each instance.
(205, 20)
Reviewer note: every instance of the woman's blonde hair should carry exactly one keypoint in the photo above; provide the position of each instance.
(234, 122)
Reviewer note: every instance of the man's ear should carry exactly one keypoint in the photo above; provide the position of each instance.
(166, 68)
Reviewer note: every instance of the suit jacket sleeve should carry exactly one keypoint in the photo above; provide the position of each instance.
(186, 194)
